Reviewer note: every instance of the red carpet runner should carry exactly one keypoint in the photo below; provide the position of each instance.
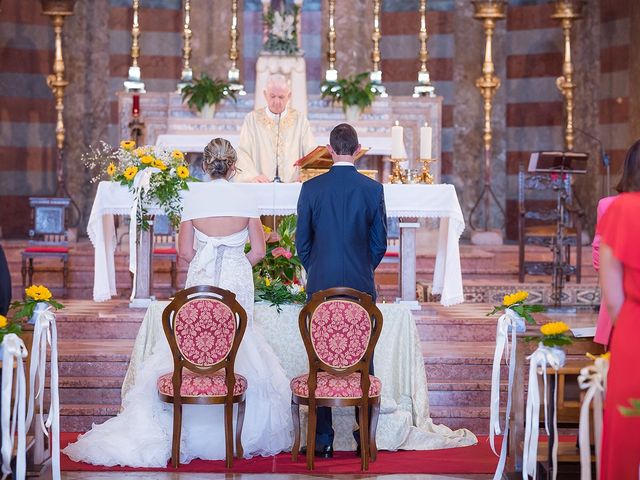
(476, 459)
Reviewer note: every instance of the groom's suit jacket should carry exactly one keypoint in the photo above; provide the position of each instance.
(341, 235)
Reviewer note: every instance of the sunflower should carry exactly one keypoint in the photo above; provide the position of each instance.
(146, 159)
(517, 297)
(140, 151)
(182, 172)
(554, 328)
(159, 164)
(3, 321)
(38, 292)
(177, 155)
(111, 169)
(130, 172)
(127, 144)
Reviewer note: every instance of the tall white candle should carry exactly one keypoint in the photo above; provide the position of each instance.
(425, 141)
(397, 142)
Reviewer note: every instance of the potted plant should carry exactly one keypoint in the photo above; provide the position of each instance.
(354, 92)
(205, 93)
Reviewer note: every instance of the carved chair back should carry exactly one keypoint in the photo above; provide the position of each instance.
(48, 221)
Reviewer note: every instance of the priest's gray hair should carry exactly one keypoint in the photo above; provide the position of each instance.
(278, 80)
(218, 156)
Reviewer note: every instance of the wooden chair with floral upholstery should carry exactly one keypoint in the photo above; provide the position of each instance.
(204, 326)
(340, 328)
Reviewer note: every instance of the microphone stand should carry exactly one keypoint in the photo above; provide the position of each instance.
(277, 178)
(604, 157)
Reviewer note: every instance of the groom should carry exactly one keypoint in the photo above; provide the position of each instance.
(341, 236)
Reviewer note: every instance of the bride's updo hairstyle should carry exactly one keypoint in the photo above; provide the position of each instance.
(219, 156)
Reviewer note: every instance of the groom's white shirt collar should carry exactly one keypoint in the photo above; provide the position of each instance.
(274, 116)
(343, 164)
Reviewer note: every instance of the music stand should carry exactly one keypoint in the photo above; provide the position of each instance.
(561, 163)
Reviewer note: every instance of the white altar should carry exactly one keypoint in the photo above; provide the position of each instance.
(404, 421)
(402, 201)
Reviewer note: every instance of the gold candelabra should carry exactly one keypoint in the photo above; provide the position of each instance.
(234, 71)
(424, 86)
(187, 73)
(425, 174)
(376, 72)
(489, 12)
(331, 75)
(567, 11)
(134, 82)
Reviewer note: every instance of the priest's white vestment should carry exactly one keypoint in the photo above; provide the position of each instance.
(259, 140)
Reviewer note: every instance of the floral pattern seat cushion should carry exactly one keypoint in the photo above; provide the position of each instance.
(330, 386)
(199, 385)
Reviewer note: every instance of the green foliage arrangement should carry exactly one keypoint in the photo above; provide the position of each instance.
(354, 90)
(206, 91)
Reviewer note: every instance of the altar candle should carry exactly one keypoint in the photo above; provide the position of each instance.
(397, 142)
(425, 141)
(136, 105)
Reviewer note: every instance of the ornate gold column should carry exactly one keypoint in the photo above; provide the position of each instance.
(234, 71)
(187, 72)
(331, 75)
(567, 11)
(134, 82)
(58, 10)
(488, 11)
(376, 72)
(424, 86)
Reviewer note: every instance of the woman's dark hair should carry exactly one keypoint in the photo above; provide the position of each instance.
(218, 157)
(630, 180)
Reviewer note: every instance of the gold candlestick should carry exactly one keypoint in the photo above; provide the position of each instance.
(376, 72)
(489, 11)
(397, 174)
(187, 73)
(234, 71)
(424, 86)
(567, 11)
(134, 82)
(425, 174)
(331, 75)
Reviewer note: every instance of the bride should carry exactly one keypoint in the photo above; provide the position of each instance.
(213, 234)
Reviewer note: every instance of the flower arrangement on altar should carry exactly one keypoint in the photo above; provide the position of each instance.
(278, 277)
(516, 302)
(154, 175)
(282, 35)
(37, 298)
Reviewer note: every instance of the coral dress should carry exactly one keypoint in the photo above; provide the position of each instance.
(603, 329)
(620, 229)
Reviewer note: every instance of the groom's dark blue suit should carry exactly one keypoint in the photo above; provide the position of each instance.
(341, 237)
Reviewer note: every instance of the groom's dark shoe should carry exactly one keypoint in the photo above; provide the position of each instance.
(321, 451)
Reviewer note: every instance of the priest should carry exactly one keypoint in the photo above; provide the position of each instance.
(273, 138)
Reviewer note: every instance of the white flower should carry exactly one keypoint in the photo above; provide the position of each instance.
(282, 26)
(294, 288)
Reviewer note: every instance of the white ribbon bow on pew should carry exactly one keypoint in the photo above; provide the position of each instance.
(593, 379)
(541, 359)
(13, 350)
(45, 333)
(509, 322)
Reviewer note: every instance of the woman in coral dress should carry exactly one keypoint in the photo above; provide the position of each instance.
(620, 280)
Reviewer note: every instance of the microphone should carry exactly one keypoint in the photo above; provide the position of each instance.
(277, 179)
(604, 156)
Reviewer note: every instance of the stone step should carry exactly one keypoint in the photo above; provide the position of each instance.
(81, 417)
(88, 390)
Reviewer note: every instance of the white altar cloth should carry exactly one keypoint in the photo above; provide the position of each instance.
(404, 421)
(407, 201)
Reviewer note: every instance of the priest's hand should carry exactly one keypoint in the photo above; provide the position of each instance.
(261, 179)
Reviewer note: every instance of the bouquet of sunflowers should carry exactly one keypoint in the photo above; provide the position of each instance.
(553, 335)
(516, 302)
(156, 174)
(36, 297)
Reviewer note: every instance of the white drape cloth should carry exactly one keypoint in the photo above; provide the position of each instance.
(593, 379)
(218, 198)
(406, 201)
(404, 421)
(508, 323)
(13, 420)
(539, 361)
(45, 334)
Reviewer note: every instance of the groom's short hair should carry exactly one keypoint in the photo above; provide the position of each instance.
(344, 139)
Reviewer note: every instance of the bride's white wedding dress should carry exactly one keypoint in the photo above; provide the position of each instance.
(140, 436)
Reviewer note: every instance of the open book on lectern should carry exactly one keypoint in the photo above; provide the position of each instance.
(320, 157)
(558, 162)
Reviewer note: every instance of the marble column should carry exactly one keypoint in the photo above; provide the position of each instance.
(87, 99)
(210, 24)
(634, 72)
(354, 24)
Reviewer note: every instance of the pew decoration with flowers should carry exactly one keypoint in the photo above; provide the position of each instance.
(592, 379)
(278, 277)
(515, 314)
(39, 307)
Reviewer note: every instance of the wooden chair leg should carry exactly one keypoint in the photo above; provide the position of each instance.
(311, 434)
(520, 261)
(373, 446)
(579, 261)
(23, 271)
(30, 271)
(364, 436)
(174, 277)
(228, 433)
(65, 277)
(177, 432)
(295, 415)
(239, 423)
(568, 256)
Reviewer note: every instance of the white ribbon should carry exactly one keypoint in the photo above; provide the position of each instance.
(509, 321)
(141, 185)
(45, 332)
(13, 349)
(593, 379)
(541, 359)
